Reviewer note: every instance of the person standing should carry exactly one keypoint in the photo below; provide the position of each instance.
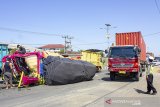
(149, 77)
(7, 73)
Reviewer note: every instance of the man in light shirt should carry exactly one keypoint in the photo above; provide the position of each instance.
(149, 77)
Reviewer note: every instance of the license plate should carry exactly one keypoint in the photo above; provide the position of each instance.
(122, 72)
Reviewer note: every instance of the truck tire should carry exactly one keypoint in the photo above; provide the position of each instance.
(112, 76)
(143, 68)
(140, 71)
(141, 74)
(137, 76)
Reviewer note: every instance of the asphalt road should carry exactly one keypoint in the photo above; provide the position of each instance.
(100, 92)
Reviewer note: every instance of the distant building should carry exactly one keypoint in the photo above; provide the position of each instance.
(28, 48)
(52, 47)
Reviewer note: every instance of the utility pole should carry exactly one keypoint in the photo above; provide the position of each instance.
(70, 43)
(67, 43)
(108, 35)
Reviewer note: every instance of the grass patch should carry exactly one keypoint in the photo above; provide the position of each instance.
(156, 69)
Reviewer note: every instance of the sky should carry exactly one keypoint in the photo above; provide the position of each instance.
(81, 19)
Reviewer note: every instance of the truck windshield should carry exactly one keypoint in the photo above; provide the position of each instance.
(122, 52)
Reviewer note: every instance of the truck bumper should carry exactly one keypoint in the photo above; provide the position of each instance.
(123, 69)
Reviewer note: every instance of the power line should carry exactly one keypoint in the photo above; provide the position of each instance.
(48, 34)
(80, 40)
(151, 34)
(157, 6)
(92, 43)
(98, 43)
(66, 41)
(77, 47)
(27, 44)
(31, 32)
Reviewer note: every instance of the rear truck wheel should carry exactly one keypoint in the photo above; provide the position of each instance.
(137, 76)
(140, 71)
(141, 74)
(112, 76)
(143, 68)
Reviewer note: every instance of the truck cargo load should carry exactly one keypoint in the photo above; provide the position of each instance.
(59, 71)
(132, 38)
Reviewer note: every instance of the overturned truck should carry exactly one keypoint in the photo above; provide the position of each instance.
(33, 68)
(26, 67)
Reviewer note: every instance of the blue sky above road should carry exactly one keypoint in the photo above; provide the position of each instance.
(81, 19)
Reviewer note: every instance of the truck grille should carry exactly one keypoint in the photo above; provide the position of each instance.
(122, 65)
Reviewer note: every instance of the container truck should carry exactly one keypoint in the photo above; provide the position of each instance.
(128, 57)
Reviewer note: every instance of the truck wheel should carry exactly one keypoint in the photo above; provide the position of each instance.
(141, 74)
(112, 76)
(143, 68)
(137, 76)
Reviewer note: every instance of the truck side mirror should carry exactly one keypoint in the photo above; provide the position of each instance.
(106, 51)
(139, 50)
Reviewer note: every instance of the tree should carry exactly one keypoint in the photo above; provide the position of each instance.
(101, 53)
(61, 51)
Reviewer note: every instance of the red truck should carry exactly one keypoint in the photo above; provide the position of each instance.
(128, 57)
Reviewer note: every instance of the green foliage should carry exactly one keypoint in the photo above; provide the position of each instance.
(12, 51)
(101, 53)
(61, 51)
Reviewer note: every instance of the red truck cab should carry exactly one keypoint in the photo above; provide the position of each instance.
(124, 60)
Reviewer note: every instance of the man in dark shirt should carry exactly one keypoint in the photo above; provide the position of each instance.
(7, 72)
(21, 49)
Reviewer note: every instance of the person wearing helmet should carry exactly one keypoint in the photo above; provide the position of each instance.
(149, 77)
